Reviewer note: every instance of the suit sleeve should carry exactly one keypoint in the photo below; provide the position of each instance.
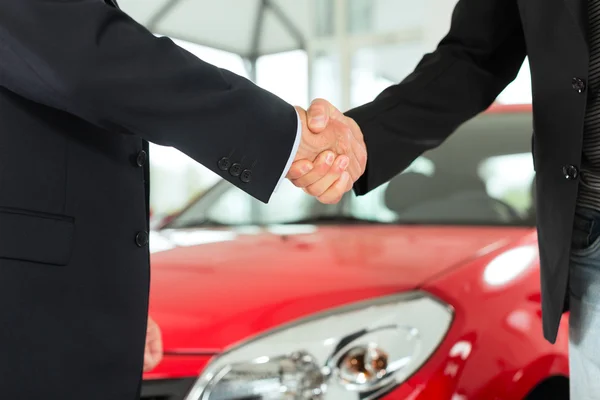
(92, 60)
(477, 59)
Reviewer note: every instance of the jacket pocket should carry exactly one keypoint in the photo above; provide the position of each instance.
(36, 237)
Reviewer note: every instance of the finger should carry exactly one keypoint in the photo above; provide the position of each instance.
(349, 185)
(335, 193)
(347, 144)
(320, 113)
(358, 160)
(152, 356)
(148, 361)
(362, 157)
(354, 167)
(359, 150)
(321, 167)
(356, 131)
(360, 145)
(157, 354)
(156, 345)
(153, 352)
(322, 185)
(299, 169)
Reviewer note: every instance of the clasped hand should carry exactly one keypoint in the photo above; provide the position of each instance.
(332, 154)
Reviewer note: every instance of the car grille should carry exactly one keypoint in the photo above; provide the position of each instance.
(166, 389)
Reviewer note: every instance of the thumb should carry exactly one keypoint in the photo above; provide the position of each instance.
(318, 115)
(148, 360)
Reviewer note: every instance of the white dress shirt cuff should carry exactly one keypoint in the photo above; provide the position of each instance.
(293, 153)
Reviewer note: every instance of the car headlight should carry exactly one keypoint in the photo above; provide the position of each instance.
(354, 352)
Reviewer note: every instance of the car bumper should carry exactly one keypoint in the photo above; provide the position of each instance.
(174, 377)
(176, 374)
(166, 389)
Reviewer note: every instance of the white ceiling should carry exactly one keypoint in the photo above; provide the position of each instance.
(223, 24)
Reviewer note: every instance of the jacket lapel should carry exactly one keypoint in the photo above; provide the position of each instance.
(578, 9)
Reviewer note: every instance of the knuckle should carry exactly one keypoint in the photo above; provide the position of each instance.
(344, 144)
(302, 183)
(314, 191)
(363, 162)
(332, 196)
(326, 200)
(319, 103)
(294, 174)
(335, 199)
(322, 162)
(321, 171)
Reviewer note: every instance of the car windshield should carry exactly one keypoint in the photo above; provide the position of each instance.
(482, 175)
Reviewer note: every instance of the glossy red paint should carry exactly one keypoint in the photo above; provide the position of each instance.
(495, 348)
(226, 292)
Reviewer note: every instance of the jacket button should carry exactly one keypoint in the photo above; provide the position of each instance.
(570, 172)
(246, 176)
(236, 169)
(141, 239)
(141, 158)
(224, 164)
(578, 84)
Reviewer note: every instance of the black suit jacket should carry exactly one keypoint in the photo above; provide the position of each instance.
(482, 53)
(82, 90)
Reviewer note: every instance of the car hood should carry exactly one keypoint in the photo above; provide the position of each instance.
(214, 288)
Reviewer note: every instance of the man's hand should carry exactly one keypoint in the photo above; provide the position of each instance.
(327, 133)
(154, 349)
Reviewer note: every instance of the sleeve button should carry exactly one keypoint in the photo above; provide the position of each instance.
(224, 164)
(236, 169)
(246, 176)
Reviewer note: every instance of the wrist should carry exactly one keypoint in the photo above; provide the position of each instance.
(302, 152)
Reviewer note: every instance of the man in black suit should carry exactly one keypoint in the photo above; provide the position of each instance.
(83, 88)
(482, 53)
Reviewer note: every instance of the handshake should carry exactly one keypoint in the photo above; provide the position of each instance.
(332, 154)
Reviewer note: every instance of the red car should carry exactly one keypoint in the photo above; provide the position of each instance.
(426, 288)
